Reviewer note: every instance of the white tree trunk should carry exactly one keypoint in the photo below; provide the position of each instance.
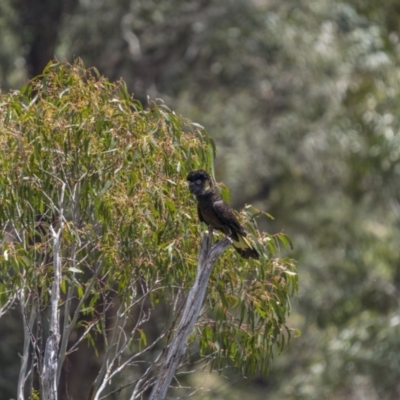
(50, 361)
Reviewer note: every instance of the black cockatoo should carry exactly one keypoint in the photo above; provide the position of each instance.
(217, 214)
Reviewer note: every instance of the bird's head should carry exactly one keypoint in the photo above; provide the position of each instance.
(200, 182)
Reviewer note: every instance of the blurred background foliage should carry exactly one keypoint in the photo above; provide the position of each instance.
(302, 99)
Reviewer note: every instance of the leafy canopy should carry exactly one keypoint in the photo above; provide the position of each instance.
(74, 144)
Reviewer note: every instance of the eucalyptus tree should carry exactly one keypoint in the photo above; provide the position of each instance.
(100, 245)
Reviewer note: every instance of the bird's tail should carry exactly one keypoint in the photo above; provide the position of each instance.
(244, 248)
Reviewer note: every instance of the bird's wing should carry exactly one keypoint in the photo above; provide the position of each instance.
(200, 215)
(236, 231)
(228, 217)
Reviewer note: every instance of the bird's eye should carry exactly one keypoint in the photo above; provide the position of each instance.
(198, 182)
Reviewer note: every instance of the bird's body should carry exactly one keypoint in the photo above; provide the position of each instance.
(213, 211)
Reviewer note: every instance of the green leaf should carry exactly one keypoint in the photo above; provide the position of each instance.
(75, 270)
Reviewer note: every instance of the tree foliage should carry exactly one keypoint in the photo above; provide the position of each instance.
(301, 98)
(81, 157)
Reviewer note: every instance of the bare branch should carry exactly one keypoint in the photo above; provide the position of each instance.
(27, 341)
(68, 327)
(50, 362)
(207, 259)
(8, 304)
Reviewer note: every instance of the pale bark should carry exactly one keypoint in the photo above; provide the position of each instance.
(28, 325)
(207, 258)
(50, 361)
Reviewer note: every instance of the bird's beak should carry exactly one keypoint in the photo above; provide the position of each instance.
(190, 187)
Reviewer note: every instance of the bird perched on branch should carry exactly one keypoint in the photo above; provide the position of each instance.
(213, 211)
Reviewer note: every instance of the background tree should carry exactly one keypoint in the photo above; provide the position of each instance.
(301, 99)
(98, 244)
